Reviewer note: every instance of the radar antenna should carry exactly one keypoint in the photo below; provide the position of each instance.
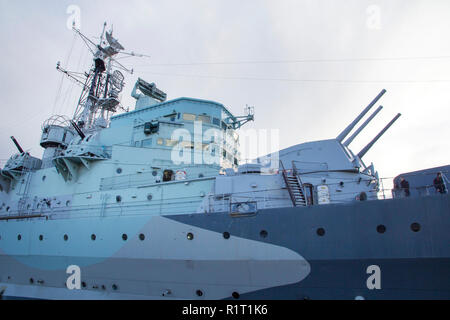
(102, 85)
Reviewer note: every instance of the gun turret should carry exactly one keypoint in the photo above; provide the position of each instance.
(17, 145)
(357, 132)
(78, 130)
(363, 152)
(347, 131)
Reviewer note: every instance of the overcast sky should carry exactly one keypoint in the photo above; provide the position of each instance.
(308, 67)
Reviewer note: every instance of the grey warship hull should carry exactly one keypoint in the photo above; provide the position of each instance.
(414, 264)
(406, 238)
(157, 203)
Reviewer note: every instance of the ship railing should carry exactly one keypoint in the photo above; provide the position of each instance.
(421, 191)
(259, 199)
(179, 205)
(145, 179)
(108, 207)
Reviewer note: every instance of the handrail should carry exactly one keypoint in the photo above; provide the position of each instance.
(300, 182)
(6, 218)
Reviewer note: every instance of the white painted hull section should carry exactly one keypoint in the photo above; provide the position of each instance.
(166, 261)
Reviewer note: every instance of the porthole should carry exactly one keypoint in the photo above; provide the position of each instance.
(31, 280)
(41, 238)
(263, 234)
(93, 237)
(226, 235)
(118, 199)
(115, 287)
(19, 237)
(415, 227)
(124, 237)
(321, 232)
(66, 237)
(149, 197)
(236, 295)
(199, 293)
(142, 237)
(190, 236)
(155, 173)
(67, 203)
(381, 229)
(119, 170)
(83, 284)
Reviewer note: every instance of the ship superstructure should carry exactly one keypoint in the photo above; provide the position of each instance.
(155, 203)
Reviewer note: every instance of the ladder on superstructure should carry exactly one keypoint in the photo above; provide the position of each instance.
(294, 186)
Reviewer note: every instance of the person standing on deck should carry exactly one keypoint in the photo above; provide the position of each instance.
(404, 185)
(439, 184)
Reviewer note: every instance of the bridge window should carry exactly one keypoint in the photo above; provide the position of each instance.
(187, 144)
(204, 118)
(189, 117)
(171, 143)
(216, 121)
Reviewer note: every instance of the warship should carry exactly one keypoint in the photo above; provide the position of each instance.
(155, 203)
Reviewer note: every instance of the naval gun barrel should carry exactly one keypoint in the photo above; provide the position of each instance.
(364, 125)
(17, 145)
(347, 131)
(78, 130)
(371, 144)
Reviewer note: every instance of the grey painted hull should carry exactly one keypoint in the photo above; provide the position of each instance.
(274, 254)
(414, 265)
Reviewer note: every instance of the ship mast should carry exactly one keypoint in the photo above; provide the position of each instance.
(101, 85)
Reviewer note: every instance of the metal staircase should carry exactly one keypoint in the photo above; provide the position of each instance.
(294, 186)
